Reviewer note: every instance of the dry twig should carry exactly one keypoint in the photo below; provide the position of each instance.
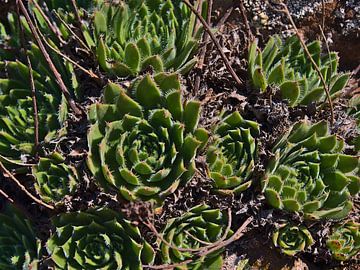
(6, 196)
(245, 19)
(203, 49)
(57, 75)
(216, 42)
(35, 107)
(8, 174)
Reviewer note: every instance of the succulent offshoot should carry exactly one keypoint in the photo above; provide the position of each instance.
(231, 156)
(198, 228)
(135, 35)
(54, 178)
(292, 239)
(344, 242)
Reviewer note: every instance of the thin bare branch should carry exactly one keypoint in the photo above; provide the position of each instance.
(216, 42)
(57, 75)
(328, 50)
(225, 17)
(6, 196)
(245, 19)
(54, 29)
(9, 175)
(287, 12)
(203, 49)
(35, 107)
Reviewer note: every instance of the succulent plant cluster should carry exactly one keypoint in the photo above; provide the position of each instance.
(143, 141)
(309, 174)
(292, 239)
(200, 227)
(19, 246)
(54, 178)
(286, 65)
(231, 157)
(134, 35)
(97, 239)
(344, 242)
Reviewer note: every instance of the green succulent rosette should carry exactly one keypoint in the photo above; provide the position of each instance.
(344, 242)
(17, 117)
(19, 246)
(133, 35)
(292, 239)
(97, 239)
(286, 65)
(231, 156)
(200, 227)
(143, 141)
(309, 173)
(54, 178)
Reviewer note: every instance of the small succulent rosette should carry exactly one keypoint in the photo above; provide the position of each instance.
(344, 242)
(54, 178)
(292, 239)
(199, 228)
(232, 153)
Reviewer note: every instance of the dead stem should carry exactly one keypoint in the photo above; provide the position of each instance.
(245, 19)
(327, 48)
(6, 196)
(203, 49)
(35, 107)
(216, 42)
(59, 80)
(8, 174)
(54, 29)
(287, 12)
